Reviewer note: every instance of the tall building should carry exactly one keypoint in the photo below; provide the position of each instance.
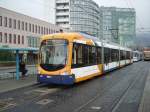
(21, 31)
(78, 16)
(62, 13)
(126, 26)
(18, 30)
(118, 25)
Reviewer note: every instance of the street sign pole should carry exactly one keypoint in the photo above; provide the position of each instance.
(17, 64)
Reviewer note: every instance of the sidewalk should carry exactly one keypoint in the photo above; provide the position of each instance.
(11, 84)
(145, 102)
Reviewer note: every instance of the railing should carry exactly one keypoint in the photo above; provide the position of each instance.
(10, 72)
(62, 13)
(62, 1)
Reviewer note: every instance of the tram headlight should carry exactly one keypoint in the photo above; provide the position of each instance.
(64, 73)
(49, 76)
(39, 72)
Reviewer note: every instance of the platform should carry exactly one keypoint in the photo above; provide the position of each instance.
(145, 102)
(11, 84)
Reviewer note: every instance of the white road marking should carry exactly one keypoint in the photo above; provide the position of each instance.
(42, 92)
(95, 108)
(44, 101)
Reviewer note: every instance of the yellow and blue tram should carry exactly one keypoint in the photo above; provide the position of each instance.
(68, 58)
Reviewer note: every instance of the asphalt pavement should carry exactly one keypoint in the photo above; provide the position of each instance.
(122, 90)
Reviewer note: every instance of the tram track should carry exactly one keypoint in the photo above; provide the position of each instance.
(102, 90)
(125, 93)
(115, 103)
(62, 99)
(27, 99)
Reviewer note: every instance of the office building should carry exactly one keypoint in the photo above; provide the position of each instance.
(78, 16)
(118, 25)
(18, 30)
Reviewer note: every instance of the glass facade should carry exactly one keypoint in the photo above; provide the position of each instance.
(84, 17)
(126, 26)
(118, 25)
(111, 24)
(78, 16)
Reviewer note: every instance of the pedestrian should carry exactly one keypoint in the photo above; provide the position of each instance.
(22, 69)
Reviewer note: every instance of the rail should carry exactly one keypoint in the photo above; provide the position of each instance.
(10, 72)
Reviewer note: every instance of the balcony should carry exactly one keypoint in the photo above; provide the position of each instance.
(61, 7)
(62, 20)
(64, 25)
(62, 1)
(62, 13)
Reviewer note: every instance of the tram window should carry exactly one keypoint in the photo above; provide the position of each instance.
(114, 55)
(85, 55)
(117, 55)
(74, 59)
(106, 55)
(121, 55)
(131, 55)
(77, 57)
(109, 59)
(92, 54)
(128, 55)
(98, 55)
(136, 54)
(124, 55)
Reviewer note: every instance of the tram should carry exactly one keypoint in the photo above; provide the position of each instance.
(137, 56)
(146, 52)
(68, 58)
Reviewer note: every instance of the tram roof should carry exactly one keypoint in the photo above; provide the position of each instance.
(73, 35)
(97, 41)
(89, 36)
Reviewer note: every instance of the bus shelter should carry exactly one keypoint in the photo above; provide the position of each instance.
(17, 50)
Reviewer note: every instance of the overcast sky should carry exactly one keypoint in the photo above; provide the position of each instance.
(41, 9)
(142, 8)
(44, 9)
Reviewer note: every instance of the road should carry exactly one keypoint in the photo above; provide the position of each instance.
(117, 91)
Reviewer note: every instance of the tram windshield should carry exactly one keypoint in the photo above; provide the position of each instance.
(53, 54)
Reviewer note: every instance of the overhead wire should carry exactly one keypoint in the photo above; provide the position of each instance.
(142, 28)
